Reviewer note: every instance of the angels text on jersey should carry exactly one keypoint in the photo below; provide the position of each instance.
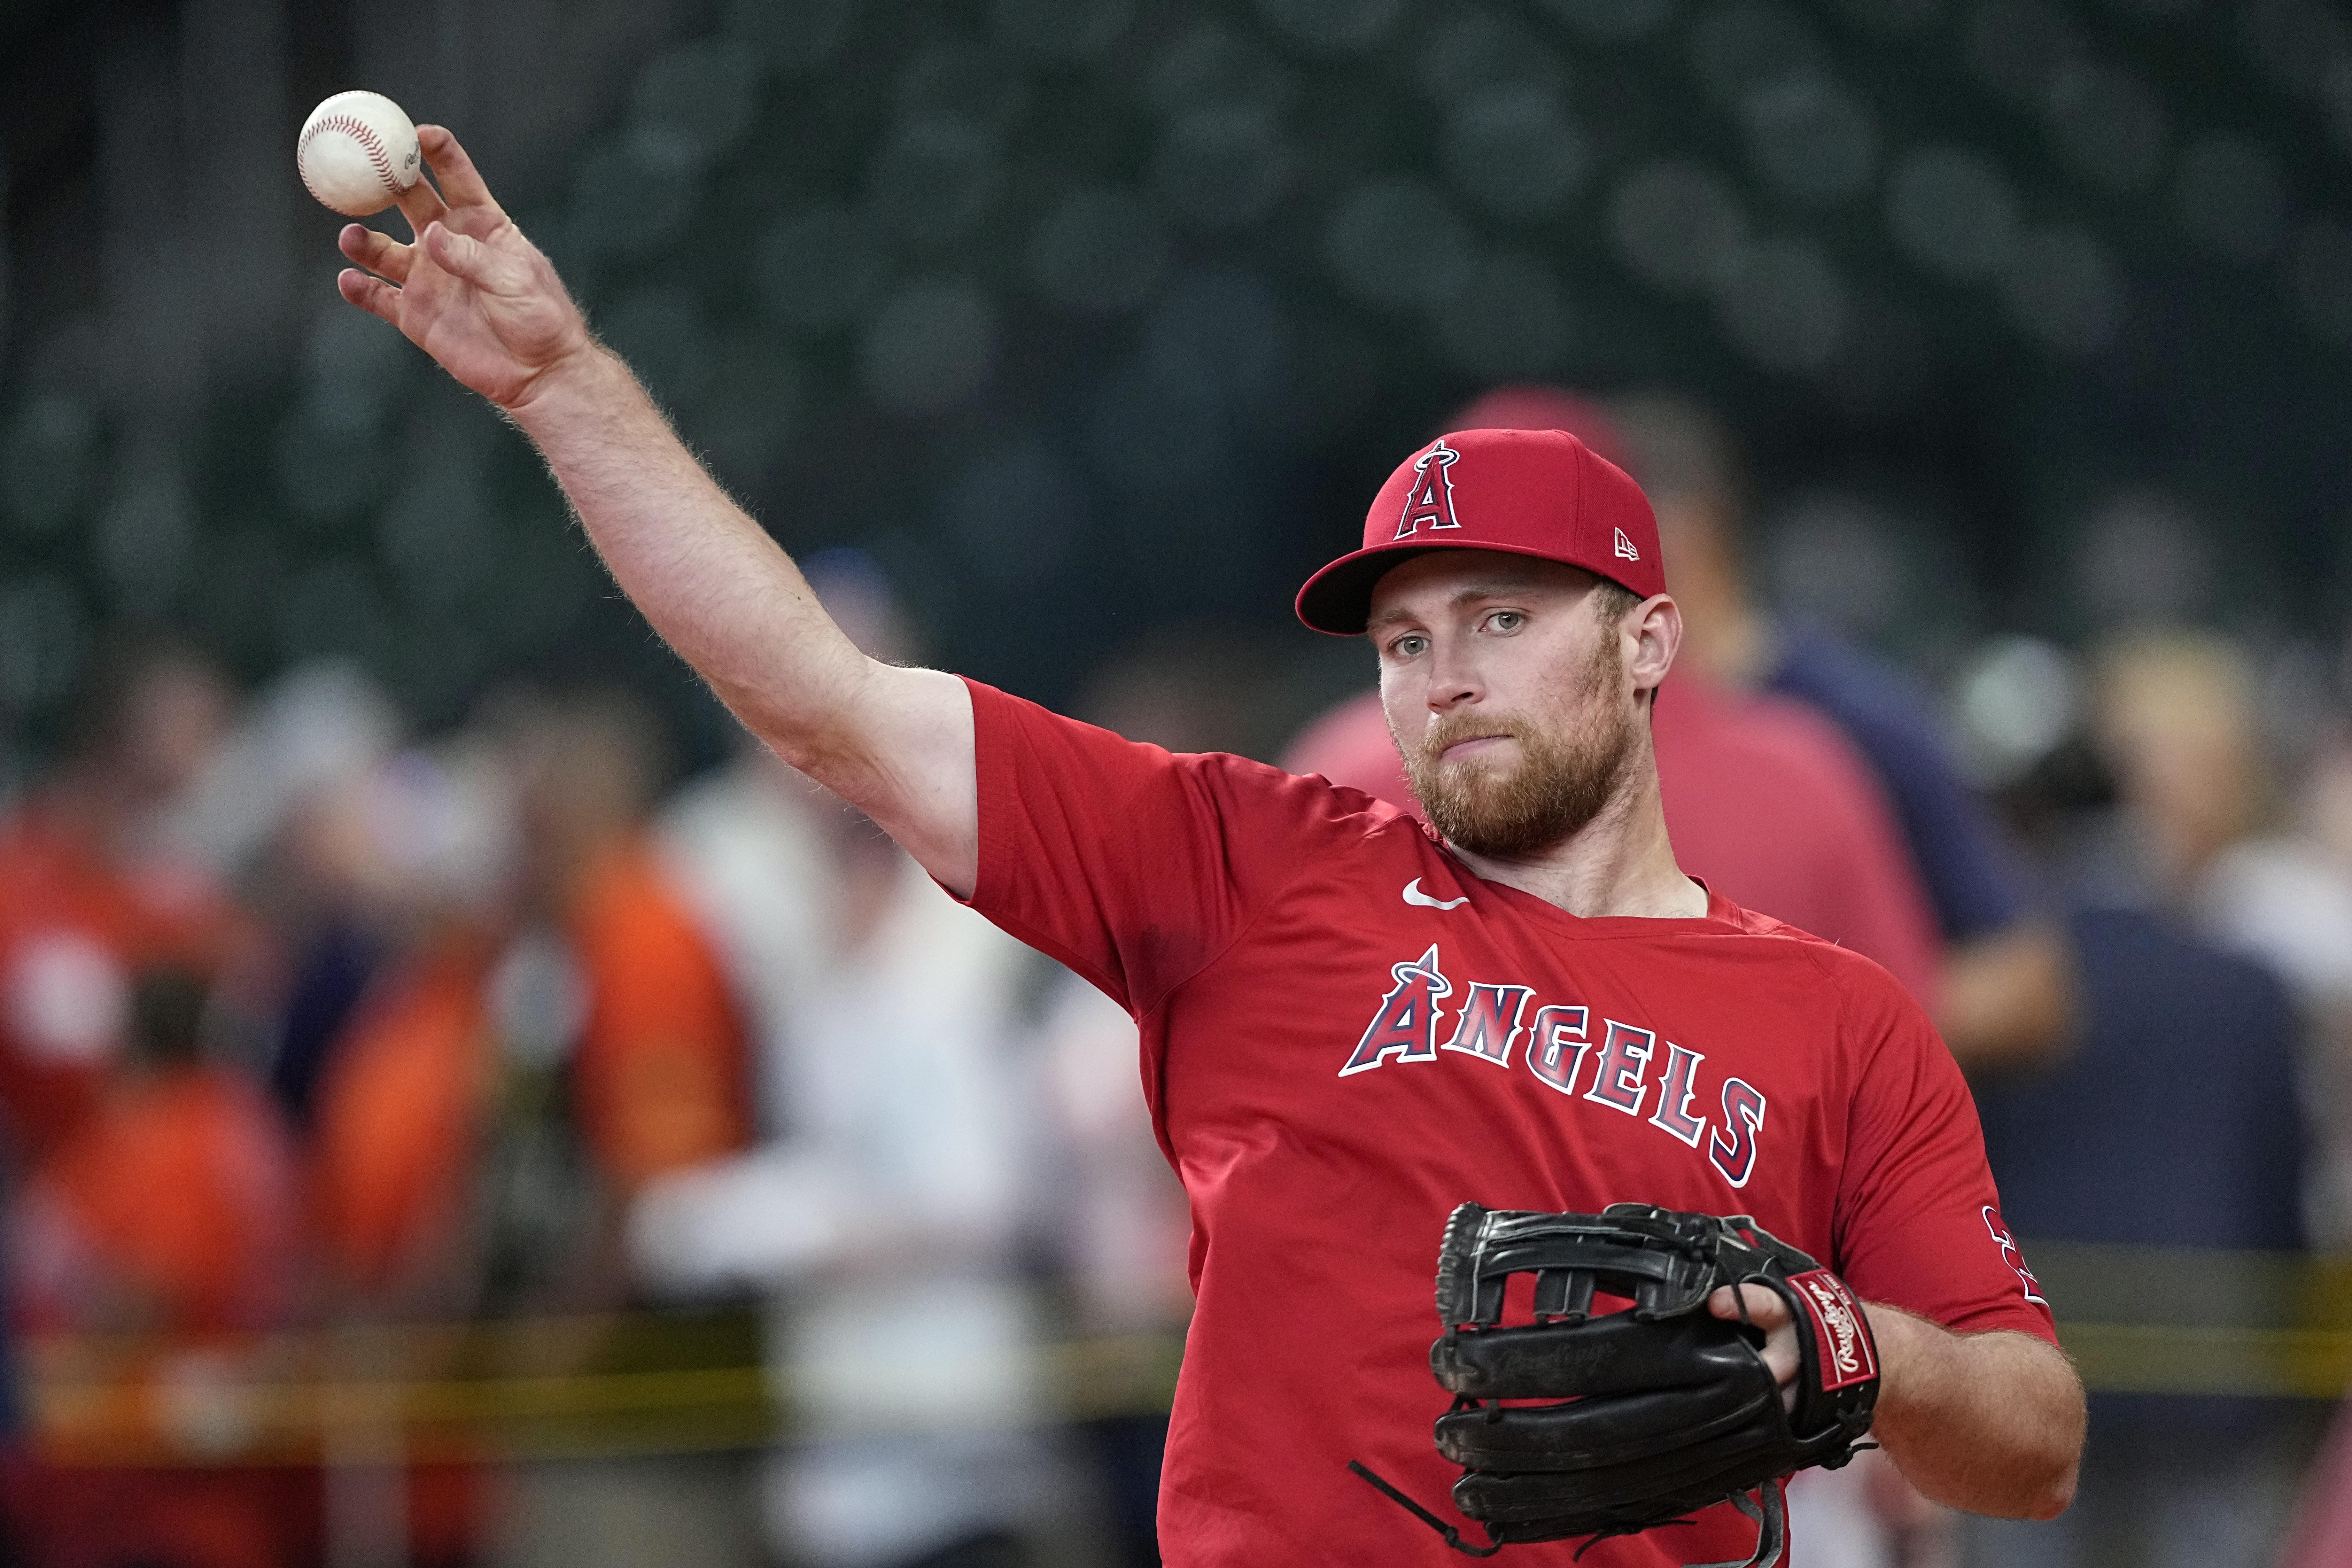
(1604, 1062)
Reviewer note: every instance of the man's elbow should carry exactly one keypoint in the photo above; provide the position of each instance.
(2055, 1493)
(2029, 1458)
(2047, 1470)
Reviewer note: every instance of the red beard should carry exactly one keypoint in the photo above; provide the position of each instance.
(1560, 783)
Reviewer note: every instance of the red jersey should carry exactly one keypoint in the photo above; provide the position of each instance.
(1345, 1034)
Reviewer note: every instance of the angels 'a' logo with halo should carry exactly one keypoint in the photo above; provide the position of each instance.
(1429, 502)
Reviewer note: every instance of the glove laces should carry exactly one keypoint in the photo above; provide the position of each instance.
(1453, 1536)
(1765, 1506)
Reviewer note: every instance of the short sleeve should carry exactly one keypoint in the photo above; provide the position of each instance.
(1918, 1218)
(1134, 866)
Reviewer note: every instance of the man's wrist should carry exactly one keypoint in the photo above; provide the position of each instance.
(1895, 1333)
(584, 385)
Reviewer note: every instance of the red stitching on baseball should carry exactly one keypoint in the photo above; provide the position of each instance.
(378, 155)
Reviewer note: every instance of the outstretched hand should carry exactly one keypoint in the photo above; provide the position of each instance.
(1771, 1314)
(471, 290)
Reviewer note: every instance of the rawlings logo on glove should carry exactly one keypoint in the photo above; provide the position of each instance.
(1653, 1412)
(1840, 1329)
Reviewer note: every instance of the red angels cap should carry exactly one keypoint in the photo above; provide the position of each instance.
(1525, 492)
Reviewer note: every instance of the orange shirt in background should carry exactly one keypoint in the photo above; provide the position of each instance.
(659, 1073)
(399, 1116)
(172, 1209)
(662, 1075)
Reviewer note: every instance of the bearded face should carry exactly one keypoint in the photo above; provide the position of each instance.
(1570, 764)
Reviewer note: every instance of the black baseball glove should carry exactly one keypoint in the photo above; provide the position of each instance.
(1646, 1414)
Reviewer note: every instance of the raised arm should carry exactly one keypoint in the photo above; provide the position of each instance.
(483, 300)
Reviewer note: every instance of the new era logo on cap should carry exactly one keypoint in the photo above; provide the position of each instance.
(1541, 493)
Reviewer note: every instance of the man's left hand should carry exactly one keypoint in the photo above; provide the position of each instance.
(1770, 1313)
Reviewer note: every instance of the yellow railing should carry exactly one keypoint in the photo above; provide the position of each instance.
(2153, 1322)
(447, 1391)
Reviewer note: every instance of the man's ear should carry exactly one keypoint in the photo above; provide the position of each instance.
(1654, 631)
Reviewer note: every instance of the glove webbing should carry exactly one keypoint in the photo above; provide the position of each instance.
(1767, 1508)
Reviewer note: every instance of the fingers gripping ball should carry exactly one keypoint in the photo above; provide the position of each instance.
(1575, 1424)
(357, 152)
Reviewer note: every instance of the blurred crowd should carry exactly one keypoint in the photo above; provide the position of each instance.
(309, 1022)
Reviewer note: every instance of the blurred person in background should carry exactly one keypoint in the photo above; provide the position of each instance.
(879, 1213)
(1121, 1229)
(566, 1032)
(549, 1040)
(93, 888)
(2308, 922)
(299, 810)
(2003, 996)
(2261, 870)
(2292, 892)
(2176, 1120)
(162, 1241)
(400, 1120)
(659, 1066)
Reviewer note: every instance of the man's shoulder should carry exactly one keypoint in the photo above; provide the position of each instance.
(1339, 801)
(1341, 832)
(1863, 978)
(1245, 788)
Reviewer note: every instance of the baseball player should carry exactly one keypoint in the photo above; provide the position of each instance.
(1349, 1024)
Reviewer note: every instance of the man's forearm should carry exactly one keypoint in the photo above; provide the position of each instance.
(1990, 1422)
(712, 582)
(487, 304)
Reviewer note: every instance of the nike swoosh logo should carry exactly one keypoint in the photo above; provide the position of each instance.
(1413, 895)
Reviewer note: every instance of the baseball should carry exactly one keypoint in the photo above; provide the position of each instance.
(357, 152)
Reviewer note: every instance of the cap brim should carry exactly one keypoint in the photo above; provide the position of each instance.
(1339, 598)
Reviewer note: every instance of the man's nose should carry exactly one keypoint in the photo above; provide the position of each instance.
(1452, 677)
